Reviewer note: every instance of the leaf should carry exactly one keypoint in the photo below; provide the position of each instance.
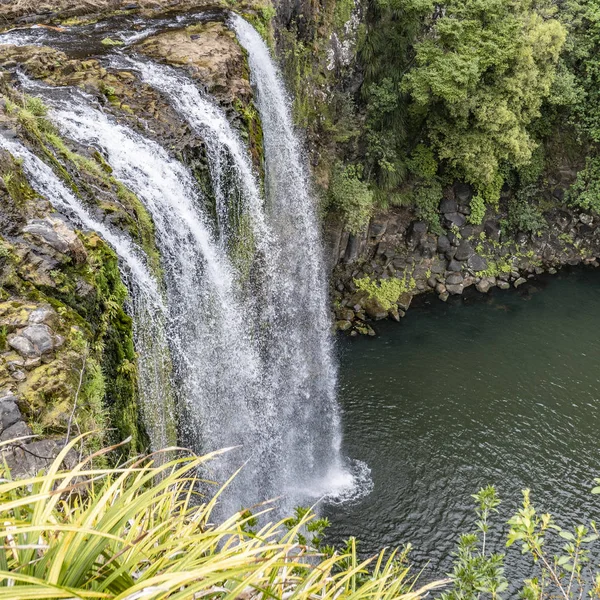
(566, 535)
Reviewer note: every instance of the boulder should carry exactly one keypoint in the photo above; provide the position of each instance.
(464, 193)
(444, 296)
(18, 430)
(455, 290)
(40, 336)
(343, 325)
(9, 412)
(503, 285)
(404, 301)
(456, 218)
(448, 205)
(443, 244)
(375, 310)
(22, 345)
(455, 265)
(477, 263)
(492, 230)
(394, 313)
(464, 250)
(58, 236)
(519, 282)
(486, 284)
(27, 460)
(41, 315)
(454, 279)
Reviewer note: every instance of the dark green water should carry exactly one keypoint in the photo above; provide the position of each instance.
(502, 390)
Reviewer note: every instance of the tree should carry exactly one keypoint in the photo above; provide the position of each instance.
(481, 73)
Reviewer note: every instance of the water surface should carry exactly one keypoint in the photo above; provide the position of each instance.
(497, 390)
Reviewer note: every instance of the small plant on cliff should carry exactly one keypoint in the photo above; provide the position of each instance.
(351, 197)
(386, 291)
(142, 531)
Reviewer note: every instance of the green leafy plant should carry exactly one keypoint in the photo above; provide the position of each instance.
(140, 530)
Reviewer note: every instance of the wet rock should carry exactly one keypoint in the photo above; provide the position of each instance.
(58, 236)
(464, 250)
(394, 313)
(486, 284)
(519, 282)
(455, 290)
(454, 279)
(440, 288)
(345, 314)
(503, 285)
(343, 325)
(586, 219)
(444, 296)
(18, 430)
(375, 310)
(404, 301)
(477, 263)
(40, 336)
(456, 218)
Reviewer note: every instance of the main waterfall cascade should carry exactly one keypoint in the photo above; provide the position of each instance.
(249, 338)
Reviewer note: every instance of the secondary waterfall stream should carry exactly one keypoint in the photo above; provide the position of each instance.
(147, 303)
(249, 337)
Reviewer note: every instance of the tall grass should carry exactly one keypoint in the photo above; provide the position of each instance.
(141, 531)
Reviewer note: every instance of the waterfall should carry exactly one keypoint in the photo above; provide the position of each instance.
(304, 342)
(250, 339)
(216, 366)
(146, 299)
(299, 374)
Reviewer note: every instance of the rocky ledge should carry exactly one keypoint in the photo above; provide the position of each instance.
(378, 272)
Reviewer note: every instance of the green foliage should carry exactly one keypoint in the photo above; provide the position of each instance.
(142, 531)
(585, 193)
(351, 197)
(386, 291)
(427, 198)
(476, 570)
(480, 77)
(524, 215)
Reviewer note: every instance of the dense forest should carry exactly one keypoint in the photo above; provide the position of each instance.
(492, 93)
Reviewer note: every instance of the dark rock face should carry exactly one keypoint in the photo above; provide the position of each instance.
(464, 251)
(477, 263)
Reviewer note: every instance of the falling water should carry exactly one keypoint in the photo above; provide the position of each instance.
(146, 298)
(304, 343)
(298, 403)
(217, 367)
(250, 339)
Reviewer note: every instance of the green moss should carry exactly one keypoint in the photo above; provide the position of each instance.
(386, 291)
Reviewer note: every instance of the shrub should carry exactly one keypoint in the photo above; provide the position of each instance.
(525, 216)
(585, 192)
(142, 531)
(386, 291)
(351, 197)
